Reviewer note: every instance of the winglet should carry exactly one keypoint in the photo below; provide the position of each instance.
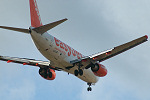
(45, 28)
(146, 36)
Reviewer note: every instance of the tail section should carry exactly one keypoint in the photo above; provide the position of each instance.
(35, 21)
(45, 28)
(34, 13)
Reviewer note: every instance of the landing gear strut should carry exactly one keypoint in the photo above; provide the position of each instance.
(89, 88)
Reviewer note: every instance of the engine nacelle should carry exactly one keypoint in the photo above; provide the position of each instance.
(48, 74)
(99, 70)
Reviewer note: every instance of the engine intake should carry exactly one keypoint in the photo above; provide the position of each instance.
(48, 74)
(99, 70)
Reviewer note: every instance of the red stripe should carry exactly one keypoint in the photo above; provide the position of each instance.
(35, 16)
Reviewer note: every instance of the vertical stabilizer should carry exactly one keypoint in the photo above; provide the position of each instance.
(34, 13)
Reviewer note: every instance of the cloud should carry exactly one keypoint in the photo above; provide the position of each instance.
(24, 90)
(93, 26)
(128, 72)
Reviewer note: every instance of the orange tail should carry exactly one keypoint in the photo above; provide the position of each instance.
(34, 13)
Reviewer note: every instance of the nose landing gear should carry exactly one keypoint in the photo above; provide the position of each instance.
(89, 88)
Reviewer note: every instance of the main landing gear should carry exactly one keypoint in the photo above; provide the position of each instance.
(78, 72)
(89, 88)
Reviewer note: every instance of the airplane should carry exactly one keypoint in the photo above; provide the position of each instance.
(62, 57)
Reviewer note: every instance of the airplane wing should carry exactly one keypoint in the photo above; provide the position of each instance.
(112, 52)
(26, 61)
(119, 49)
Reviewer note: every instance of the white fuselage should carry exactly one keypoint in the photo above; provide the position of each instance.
(59, 54)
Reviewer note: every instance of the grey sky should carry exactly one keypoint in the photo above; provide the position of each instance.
(92, 26)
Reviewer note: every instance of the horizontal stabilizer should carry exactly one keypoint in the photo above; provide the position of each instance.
(45, 28)
(16, 29)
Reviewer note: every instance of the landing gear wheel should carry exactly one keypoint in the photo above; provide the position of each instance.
(80, 72)
(76, 72)
(89, 89)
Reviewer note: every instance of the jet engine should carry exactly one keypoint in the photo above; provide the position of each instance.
(99, 70)
(47, 74)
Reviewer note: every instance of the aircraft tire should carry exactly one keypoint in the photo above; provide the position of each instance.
(76, 72)
(89, 89)
(80, 72)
